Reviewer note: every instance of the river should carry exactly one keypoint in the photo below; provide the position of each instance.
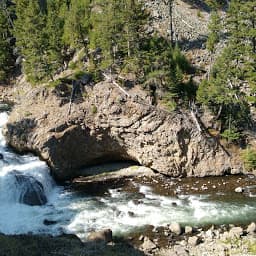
(122, 209)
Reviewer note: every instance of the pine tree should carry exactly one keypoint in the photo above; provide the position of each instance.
(214, 29)
(32, 38)
(6, 58)
(54, 31)
(223, 93)
(77, 23)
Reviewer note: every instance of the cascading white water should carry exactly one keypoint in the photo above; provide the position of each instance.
(72, 212)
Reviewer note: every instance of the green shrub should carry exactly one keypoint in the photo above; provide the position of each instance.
(2, 75)
(94, 109)
(231, 135)
(249, 159)
(199, 14)
(72, 65)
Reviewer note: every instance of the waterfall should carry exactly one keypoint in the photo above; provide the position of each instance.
(27, 192)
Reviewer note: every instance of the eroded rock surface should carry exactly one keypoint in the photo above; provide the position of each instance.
(104, 125)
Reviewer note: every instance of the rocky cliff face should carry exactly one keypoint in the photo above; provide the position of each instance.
(105, 125)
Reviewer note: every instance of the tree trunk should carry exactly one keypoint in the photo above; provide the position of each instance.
(254, 38)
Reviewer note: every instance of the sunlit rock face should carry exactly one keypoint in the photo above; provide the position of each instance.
(109, 125)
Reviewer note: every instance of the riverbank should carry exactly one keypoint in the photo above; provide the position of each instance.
(65, 245)
(221, 241)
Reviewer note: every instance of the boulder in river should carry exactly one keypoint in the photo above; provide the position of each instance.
(31, 190)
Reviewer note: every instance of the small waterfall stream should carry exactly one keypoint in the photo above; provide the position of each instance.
(65, 210)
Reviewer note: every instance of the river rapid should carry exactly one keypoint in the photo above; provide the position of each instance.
(123, 209)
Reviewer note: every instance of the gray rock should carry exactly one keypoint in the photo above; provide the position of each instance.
(148, 245)
(209, 234)
(175, 228)
(141, 238)
(31, 190)
(251, 229)
(188, 230)
(193, 240)
(101, 236)
(239, 190)
(235, 232)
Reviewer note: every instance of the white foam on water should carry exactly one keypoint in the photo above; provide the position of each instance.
(120, 213)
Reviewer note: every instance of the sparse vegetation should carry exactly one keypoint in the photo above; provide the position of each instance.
(94, 109)
(249, 158)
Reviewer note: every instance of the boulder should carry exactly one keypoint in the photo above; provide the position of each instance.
(148, 245)
(188, 230)
(209, 234)
(104, 235)
(175, 228)
(251, 229)
(31, 190)
(235, 232)
(1, 156)
(193, 240)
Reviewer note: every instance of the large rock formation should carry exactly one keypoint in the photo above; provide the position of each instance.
(104, 125)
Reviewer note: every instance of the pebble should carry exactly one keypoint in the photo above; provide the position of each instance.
(239, 190)
(141, 238)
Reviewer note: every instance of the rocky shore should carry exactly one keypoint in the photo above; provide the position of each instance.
(188, 241)
(191, 241)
